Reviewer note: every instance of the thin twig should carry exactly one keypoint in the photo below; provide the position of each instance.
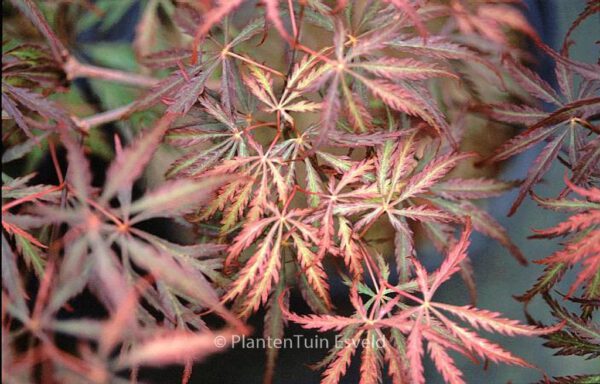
(103, 117)
(74, 69)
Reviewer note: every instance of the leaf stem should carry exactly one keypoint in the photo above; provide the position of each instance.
(250, 61)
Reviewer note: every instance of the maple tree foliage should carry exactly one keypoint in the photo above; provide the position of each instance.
(427, 321)
(286, 174)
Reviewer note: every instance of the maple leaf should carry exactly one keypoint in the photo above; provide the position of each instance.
(261, 86)
(181, 89)
(569, 122)
(212, 17)
(257, 175)
(224, 133)
(105, 252)
(579, 335)
(282, 228)
(403, 191)
(331, 207)
(95, 227)
(426, 320)
(583, 246)
(16, 194)
(390, 84)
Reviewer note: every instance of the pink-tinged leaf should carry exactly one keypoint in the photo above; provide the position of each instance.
(274, 327)
(574, 224)
(229, 76)
(129, 166)
(175, 197)
(337, 368)
(357, 112)
(165, 88)
(552, 274)
(395, 362)
(423, 213)
(11, 280)
(323, 323)
(414, 354)
(247, 237)
(261, 85)
(592, 193)
(180, 277)
(403, 69)
(441, 48)
(513, 114)
(564, 78)
(188, 94)
(177, 347)
(540, 167)
(589, 251)
(13, 111)
(312, 268)
(444, 364)
(422, 280)
(310, 297)
(589, 161)
(197, 251)
(532, 82)
(484, 223)
(432, 173)
(211, 18)
(33, 13)
(303, 106)
(255, 267)
(493, 321)
(565, 204)
(122, 321)
(408, 8)
(313, 184)
(410, 102)
(78, 175)
(36, 102)
(477, 188)
(451, 263)
(404, 249)
(107, 271)
(483, 347)
(588, 71)
(329, 112)
(371, 359)
(372, 41)
(578, 108)
(351, 247)
(521, 142)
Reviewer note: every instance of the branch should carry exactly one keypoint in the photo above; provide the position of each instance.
(75, 69)
(102, 118)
